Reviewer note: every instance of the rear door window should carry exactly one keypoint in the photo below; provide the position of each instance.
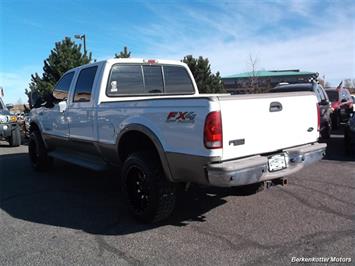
(84, 84)
(177, 80)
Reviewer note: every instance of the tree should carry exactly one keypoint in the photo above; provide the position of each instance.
(123, 54)
(254, 84)
(64, 56)
(348, 83)
(321, 82)
(19, 101)
(206, 81)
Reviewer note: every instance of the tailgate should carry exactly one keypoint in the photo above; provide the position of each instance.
(263, 123)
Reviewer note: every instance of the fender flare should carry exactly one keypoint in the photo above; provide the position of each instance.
(35, 122)
(155, 140)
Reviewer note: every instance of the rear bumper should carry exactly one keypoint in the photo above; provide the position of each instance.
(255, 169)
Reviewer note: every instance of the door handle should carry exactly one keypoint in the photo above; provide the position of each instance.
(275, 107)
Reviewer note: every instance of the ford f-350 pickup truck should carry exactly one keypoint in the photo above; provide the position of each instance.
(147, 117)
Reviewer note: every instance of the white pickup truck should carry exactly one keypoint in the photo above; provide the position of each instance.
(147, 117)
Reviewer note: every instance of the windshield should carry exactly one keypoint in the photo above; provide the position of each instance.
(333, 96)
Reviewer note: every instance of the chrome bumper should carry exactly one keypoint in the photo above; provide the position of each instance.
(255, 169)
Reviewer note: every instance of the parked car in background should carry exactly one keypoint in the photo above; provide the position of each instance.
(9, 129)
(323, 102)
(349, 135)
(342, 105)
(353, 98)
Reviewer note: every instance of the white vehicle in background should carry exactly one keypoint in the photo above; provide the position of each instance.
(147, 117)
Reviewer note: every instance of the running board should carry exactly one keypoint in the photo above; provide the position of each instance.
(90, 162)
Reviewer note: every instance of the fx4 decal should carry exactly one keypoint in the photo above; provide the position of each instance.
(187, 117)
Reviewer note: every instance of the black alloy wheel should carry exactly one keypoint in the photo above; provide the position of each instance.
(149, 195)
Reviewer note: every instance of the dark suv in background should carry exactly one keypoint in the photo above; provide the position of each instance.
(342, 105)
(323, 102)
(9, 129)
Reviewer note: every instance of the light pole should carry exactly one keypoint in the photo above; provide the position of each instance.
(81, 37)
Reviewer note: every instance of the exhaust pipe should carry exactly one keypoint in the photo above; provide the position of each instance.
(280, 181)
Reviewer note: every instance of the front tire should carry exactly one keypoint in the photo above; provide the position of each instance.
(15, 139)
(149, 195)
(38, 153)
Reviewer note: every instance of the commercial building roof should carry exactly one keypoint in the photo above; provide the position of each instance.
(271, 73)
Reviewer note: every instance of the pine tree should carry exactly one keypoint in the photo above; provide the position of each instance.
(206, 81)
(64, 56)
(124, 53)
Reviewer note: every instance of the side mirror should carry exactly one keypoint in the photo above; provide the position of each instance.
(60, 95)
(62, 106)
(35, 100)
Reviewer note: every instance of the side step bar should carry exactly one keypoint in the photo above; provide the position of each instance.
(90, 162)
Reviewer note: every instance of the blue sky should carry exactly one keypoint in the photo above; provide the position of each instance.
(282, 34)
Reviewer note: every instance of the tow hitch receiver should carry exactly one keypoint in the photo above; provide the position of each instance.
(280, 181)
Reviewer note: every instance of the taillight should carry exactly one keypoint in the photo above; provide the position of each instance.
(318, 115)
(212, 133)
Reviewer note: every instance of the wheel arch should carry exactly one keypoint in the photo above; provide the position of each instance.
(35, 126)
(136, 137)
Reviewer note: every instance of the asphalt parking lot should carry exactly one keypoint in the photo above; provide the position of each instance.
(71, 216)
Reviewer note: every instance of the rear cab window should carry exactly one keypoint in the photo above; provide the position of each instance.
(141, 79)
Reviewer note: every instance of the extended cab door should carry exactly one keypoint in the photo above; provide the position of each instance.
(81, 110)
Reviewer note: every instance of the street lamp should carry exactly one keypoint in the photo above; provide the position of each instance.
(81, 37)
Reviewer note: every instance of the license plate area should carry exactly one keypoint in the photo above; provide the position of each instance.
(277, 162)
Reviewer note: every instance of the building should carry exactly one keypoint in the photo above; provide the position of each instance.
(262, 81)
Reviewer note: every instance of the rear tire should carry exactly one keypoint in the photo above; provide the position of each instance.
(38, 153)
(15, 139)
(149, 195)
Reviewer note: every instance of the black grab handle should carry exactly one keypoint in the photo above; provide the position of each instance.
(275, 107)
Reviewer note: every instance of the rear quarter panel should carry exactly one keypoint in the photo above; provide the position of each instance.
(175, 134)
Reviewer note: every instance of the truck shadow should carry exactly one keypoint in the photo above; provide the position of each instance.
(76, 198)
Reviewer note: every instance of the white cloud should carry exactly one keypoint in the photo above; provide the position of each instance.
(321, 37)
(14, 83)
